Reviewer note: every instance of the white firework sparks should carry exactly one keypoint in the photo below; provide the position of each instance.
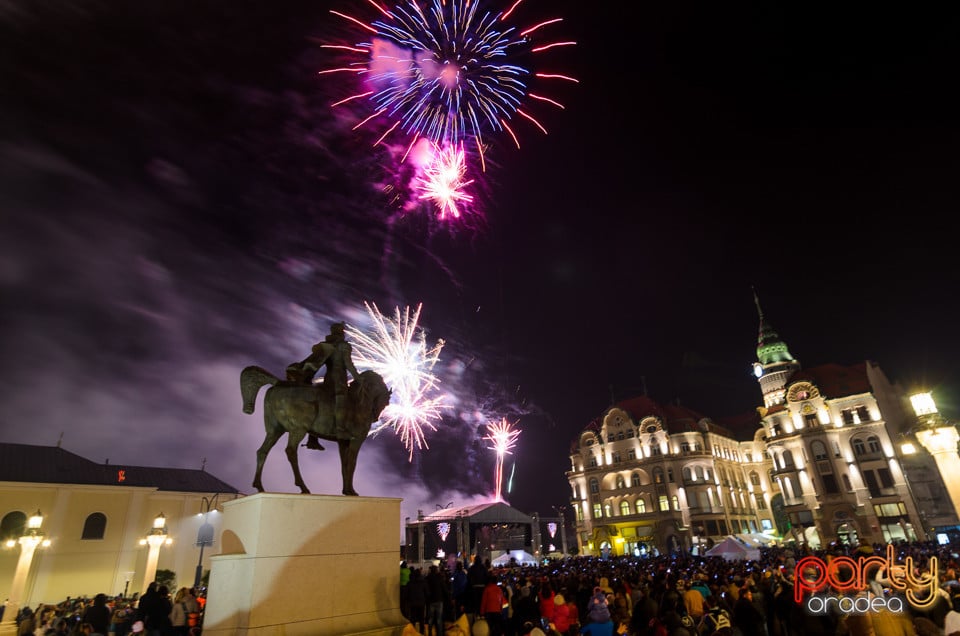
(397, 349)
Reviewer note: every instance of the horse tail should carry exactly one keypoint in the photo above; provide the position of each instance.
(251, 379)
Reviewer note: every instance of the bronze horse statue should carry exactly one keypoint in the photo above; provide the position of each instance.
(297, 409)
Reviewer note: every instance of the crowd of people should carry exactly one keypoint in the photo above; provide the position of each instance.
(155, 613)
(684, 595)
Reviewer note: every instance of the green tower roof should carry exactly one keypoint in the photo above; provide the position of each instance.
(770, 348)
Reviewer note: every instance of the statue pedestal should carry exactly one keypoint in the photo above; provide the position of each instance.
(297, 564)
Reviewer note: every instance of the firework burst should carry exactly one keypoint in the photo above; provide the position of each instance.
(503, 437)
(452, 72)
(444, 182)
(397, 349)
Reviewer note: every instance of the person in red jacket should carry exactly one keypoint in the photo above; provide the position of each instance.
(491, 605)
(561, 614)
(546, 600)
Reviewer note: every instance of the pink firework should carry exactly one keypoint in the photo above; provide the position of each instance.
(443, 181)
(504, 438)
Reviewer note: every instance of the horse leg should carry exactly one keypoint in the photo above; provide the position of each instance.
(348, 464)
(293, 444)
(274, 431)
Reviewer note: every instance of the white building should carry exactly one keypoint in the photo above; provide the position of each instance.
(822, 460)
(95, 516)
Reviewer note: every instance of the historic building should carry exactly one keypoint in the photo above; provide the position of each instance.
(826, 458)
(103, 523)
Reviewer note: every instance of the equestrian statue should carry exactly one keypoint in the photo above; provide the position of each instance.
(330, 410)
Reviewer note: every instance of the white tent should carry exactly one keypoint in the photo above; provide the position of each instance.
(733, 550)
(522, 557)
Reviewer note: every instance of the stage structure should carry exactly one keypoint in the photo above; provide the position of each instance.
(488, 529)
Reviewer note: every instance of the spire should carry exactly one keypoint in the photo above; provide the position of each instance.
(770, 348)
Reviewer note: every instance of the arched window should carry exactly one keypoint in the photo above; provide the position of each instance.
(13, 525)
(635, 480)
(819, 449)
(858, 447)
(607, 510)
(641, 506)
(698, 471)
(658, 475)
(664, 503)
(620, 482)
(675, 500)
(687, 474)
(95, 526)
(597, 511)
(594, 485)
(754, 478)
(873, 443)
(624, 508)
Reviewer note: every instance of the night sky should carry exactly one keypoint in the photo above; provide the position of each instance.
(179, 200)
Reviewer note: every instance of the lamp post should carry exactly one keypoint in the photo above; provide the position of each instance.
(204, 536)
(561, 510)
(940, 439)
(155, 538)
(31, 538)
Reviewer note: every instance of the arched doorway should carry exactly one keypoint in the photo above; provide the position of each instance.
(847, 534)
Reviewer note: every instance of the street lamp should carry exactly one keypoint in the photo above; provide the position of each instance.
(204, 535)
(561, 510)
(156, 537)
(939, 438)
(29, 540)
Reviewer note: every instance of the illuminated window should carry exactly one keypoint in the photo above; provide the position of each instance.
(641, 506)
(664, 503)
(597, 511)
(675, 500)
(607, 510)
(658, 475)
(624, 508)
(95, 526)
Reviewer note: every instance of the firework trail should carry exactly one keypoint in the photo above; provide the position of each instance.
(397, 349)
(504, 438)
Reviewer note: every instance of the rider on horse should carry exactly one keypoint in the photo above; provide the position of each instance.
(334, 352)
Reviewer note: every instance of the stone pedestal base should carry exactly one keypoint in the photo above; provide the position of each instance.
(303, 565)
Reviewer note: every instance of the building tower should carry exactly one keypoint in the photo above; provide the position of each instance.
(775, 366)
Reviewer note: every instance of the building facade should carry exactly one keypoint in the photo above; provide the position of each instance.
(97, 518)
(824, 459)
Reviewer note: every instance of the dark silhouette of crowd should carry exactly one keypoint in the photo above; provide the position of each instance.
(149, 614)
(685, 595)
